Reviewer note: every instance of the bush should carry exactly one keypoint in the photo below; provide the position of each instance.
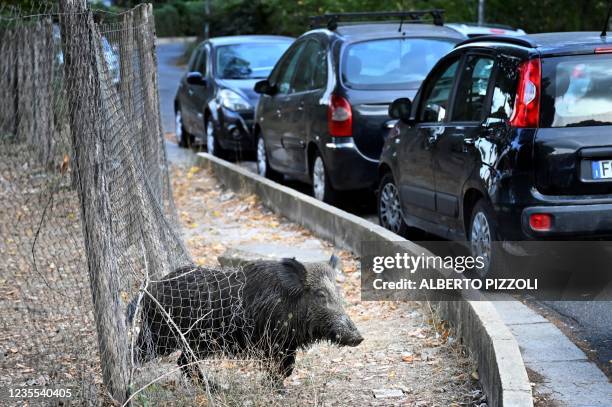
(167, 21)
(194, 17)
(180, 18)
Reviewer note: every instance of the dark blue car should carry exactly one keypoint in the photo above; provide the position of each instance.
(215, 100)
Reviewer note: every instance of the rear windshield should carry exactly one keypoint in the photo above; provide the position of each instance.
(248, 60)
(396, 63)
(577, 91)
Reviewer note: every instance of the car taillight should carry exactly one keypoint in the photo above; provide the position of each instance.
(339, 117)
(527, 104)
(540, 222)
(603, 50)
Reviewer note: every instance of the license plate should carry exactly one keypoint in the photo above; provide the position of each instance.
(602, 169)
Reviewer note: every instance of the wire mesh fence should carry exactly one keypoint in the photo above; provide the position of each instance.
(96, 286)
(86, 213)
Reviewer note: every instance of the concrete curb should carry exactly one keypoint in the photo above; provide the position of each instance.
(500, 364)
(173, 40)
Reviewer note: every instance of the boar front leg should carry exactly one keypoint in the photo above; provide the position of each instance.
(192, 371)
(286, 365)
(281, 369)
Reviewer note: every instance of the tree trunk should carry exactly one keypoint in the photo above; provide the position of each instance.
(83, 62)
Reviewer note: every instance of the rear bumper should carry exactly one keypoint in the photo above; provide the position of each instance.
(571, 221)
(347, 168)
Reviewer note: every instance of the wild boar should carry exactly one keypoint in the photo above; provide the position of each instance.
(273, 308)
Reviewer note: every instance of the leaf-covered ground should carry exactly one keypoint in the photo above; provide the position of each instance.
(408, 357)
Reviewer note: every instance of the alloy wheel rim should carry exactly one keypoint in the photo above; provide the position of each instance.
(389, 207)
(261, 157)
(210, 138)
(178, 126)
(318, 179)
(481, 239)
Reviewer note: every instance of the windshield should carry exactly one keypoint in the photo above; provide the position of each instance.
(392, 63)
(248, 61)
(577, 91)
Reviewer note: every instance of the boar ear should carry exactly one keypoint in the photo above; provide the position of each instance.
(292, 274)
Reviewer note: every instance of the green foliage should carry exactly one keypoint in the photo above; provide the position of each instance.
(187, 17)
(180, 18)
(167, 21)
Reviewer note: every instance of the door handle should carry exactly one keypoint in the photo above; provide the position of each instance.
(432, 138)
(301, 106)
(190, 92)
(468, 141)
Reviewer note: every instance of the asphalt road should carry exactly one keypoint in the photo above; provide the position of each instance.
(168, 74)
(591, 321)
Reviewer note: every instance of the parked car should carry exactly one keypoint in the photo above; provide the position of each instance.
(323, 114)
(215, 98)
(472, 30)
(508, 139)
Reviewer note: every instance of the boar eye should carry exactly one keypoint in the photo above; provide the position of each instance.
(321, 294)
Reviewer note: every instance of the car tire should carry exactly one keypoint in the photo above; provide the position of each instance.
(483, 233)
(321, 186)
(183, 139)
(389, 207)
(261, 160)
(212, 141)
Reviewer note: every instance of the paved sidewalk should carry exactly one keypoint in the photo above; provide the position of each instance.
(404, 360)
(561, 373)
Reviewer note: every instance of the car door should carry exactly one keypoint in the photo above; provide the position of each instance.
(201, 94)
(415, 151)
(454, 152)
(275, 107)
(186, 94)
(309, 84)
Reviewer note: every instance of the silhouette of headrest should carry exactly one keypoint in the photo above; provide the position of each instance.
(353, 66)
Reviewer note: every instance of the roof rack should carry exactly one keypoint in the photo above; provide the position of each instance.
(521, 41)
(485, 25)
(331, 20)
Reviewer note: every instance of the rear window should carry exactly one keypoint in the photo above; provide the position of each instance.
(248, 60)
(577, 91)
(396, 63)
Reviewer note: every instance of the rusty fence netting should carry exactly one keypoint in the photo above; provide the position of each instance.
(86, 214)
(97, 290)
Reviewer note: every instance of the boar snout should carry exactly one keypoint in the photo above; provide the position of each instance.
(347, 333)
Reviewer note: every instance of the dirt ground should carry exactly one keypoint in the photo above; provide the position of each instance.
(47, 333)
(408, 357)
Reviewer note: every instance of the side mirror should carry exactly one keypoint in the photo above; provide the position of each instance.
(264, 88)
(401, 109)
(196, 78)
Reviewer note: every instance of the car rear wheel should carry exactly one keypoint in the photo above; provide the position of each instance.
(263, 166)
(182, 137)
(389, 206)
(212, 142)
(321, 187)
(484, 238)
